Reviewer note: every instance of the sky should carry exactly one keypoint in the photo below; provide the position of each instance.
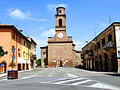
(85, 19)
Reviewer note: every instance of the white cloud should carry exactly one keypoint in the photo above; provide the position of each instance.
(78, 44)
(52, 7)
(48, 33)
(19, 14)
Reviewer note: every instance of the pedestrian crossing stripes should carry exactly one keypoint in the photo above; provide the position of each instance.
(80, 81)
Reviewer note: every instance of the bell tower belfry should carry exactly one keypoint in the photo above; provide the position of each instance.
(60, 19)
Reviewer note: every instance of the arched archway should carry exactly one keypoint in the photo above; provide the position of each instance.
(96, 63)
(93, 63)
(114, 62)
(101, 63)
(5, 66)
(106, 64)
(60, 22)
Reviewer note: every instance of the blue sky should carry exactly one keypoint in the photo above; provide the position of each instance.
(85, 18)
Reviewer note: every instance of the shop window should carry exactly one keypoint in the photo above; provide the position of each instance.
(103, 42)
(109, 38)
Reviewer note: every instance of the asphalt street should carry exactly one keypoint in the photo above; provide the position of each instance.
(62, 79)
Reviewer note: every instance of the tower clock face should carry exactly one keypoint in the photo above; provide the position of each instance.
(60, 35)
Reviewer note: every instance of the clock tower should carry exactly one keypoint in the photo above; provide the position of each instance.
(60, 23)
(60, 50)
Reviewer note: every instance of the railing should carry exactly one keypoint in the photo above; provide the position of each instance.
(85, 52)
(90, 53)
(109, 45)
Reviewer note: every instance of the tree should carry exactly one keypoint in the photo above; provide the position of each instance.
(38, 62)
(2, 52)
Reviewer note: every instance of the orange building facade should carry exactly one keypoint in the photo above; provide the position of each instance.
(11, 38)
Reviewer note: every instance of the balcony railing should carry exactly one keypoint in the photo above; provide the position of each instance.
(85, 52)
(109, 45)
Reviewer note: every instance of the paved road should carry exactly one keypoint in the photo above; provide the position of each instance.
(62, 79)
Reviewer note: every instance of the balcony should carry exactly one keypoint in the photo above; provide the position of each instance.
(109, 45)
(90, 53)
(85, 52)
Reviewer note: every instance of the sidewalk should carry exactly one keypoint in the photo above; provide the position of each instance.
(99, 72)
(4, 74)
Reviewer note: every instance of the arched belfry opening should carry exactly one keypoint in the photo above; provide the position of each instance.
(60, 22)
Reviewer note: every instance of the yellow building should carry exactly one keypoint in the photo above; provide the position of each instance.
(32, 52)
(26, 51)
(103, 52)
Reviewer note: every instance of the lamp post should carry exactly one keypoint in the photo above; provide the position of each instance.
(13, 58)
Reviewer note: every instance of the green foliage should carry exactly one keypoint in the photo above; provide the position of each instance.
(38, 62)
(2, 52)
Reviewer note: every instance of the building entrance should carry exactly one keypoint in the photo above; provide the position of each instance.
(114, 63)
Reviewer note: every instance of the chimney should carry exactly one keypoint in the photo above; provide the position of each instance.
(21, 31)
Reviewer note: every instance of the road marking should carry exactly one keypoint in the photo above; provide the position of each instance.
(104, 86)
(81, 82)
(71, 75)
(68, 81)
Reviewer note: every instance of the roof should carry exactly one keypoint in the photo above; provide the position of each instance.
(31, 40)
(60, 7)
(78, 51)
(15, 29)
(44, 47)
(103, 31)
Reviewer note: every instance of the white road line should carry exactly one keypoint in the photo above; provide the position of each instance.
(68, 81)
(81, 82)
(56, 80)
(71, 75)
(104, 86)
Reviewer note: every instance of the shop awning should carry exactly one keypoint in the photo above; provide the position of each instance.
(21, 60)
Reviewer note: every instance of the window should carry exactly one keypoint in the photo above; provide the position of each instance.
(98, 45)
(13, 36)
(103, 42)
(23, 54)
(60, 11)
(95, 47)
(19, 39)
(13, 47)
(18, 52)
(60, 22)
(109, 38)
(24, 43)
(43, 53)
